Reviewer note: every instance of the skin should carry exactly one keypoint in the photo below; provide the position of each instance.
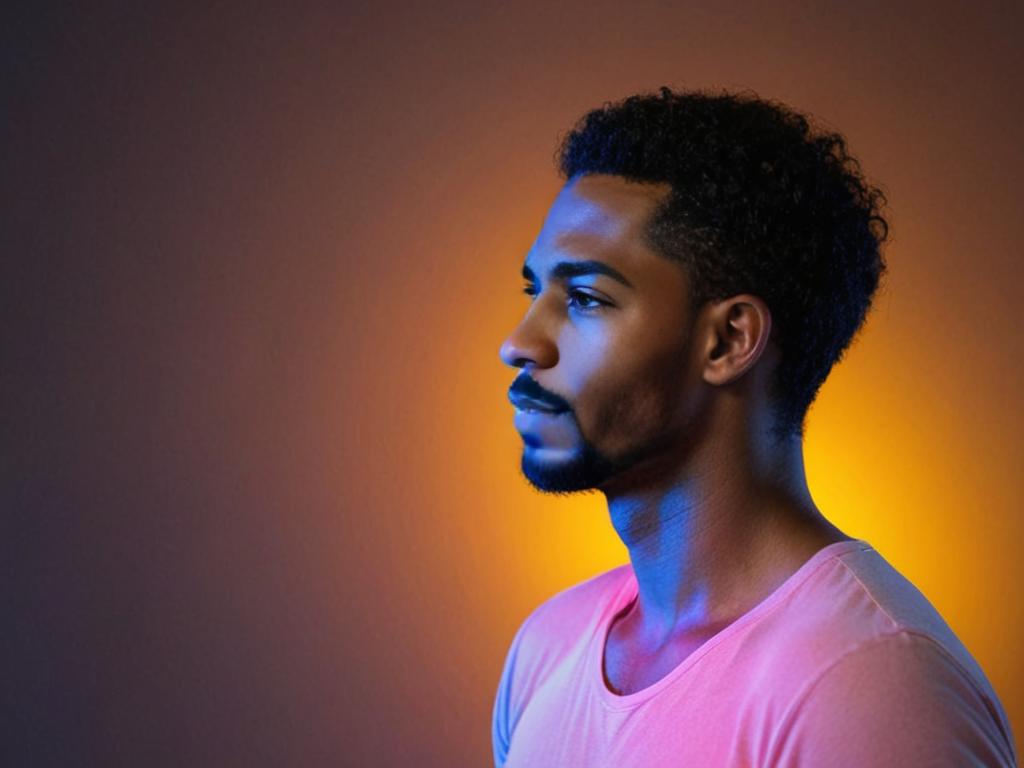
(668, 418)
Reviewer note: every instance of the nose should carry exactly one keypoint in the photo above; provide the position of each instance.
(529, 344)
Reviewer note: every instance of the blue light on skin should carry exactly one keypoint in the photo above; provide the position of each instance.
(667, 414)
(597, 339)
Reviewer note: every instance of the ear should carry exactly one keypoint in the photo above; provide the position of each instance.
(737, 331)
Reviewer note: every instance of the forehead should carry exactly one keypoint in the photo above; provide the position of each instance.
(599, 215)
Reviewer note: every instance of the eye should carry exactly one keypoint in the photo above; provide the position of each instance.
(583, 302)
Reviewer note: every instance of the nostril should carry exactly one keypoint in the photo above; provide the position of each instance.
(511, 355)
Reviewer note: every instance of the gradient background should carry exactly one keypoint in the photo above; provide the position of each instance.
(260, 492)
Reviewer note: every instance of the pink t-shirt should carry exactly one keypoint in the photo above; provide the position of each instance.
(845, 664)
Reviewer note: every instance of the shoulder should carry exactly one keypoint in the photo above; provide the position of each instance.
(559, 628)
(563, 618)
(856, 598)
(904, 610)
(896, 699)
(877, 671)
(579, 601)
(553, 634)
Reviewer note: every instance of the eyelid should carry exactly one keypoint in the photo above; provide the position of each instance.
(600, 303)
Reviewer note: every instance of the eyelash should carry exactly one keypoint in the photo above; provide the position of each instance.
(529, 290)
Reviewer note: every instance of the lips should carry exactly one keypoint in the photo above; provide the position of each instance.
(524, 403)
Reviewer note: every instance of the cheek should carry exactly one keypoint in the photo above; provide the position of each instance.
(588, 362)
(633, 402)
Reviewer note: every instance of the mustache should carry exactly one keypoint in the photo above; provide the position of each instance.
(527, 387)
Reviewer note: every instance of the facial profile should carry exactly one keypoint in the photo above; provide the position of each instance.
(602, 346)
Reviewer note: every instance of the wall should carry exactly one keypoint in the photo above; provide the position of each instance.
(260, 481)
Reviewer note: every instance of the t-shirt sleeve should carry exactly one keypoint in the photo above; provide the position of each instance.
(502, 715)
(895, 701)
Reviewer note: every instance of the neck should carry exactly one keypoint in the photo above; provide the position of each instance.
(709, 542)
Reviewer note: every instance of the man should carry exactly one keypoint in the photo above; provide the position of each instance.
(707, 262)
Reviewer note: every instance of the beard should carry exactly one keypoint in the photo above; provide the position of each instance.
(587, 468)
(584, 470)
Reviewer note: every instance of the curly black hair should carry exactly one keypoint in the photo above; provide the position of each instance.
(761, 203)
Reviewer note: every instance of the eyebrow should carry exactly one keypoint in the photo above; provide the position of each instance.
(566, 269)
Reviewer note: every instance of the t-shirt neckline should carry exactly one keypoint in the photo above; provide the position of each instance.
(627, 592)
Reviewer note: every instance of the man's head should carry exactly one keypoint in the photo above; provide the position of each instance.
(750, 245)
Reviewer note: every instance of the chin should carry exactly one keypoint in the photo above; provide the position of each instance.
(583, 471)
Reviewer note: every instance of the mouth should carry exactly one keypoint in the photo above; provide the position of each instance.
(537, 413)
(538, 410)
(525, 404)
(534, 424)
